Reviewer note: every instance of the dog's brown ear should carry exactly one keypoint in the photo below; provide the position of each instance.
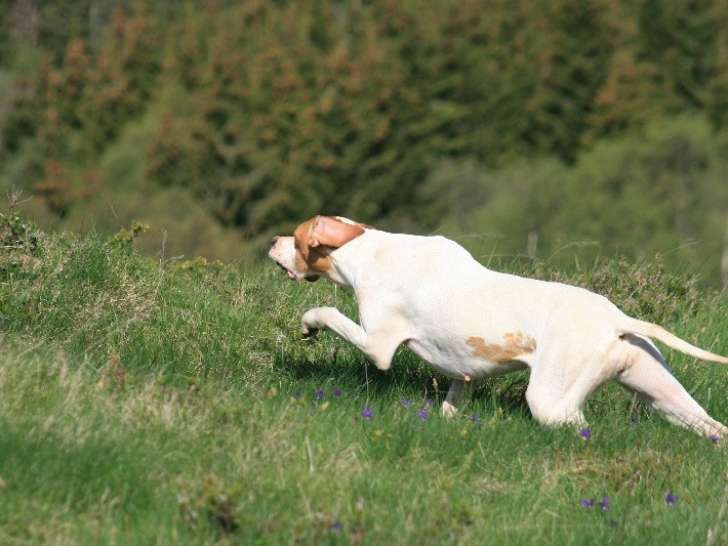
(330, 231)
(302, 237)
(324, 231)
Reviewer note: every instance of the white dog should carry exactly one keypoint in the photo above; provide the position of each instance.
(470, 322)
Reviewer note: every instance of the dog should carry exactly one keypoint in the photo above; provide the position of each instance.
(470, 322)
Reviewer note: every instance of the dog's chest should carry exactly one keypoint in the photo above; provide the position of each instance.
(470, 357)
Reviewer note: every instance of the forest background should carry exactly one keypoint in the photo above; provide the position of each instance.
(559, 130)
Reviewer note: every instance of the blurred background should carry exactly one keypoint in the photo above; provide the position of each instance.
(558, 130)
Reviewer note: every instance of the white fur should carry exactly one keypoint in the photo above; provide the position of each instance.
(432, 295)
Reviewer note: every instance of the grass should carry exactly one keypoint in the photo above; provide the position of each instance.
(170, 402)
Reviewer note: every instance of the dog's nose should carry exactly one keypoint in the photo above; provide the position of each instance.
(274, 240)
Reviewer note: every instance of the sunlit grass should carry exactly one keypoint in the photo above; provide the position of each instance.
(174, 403)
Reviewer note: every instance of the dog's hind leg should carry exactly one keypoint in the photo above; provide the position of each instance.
(458, 393)
(554, 398)
(644, 372)
(554, 406)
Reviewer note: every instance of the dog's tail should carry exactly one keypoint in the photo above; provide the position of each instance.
(629, 325)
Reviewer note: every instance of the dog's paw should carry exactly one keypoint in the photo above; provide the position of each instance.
(308, 332)
(310, 324)
(448, 410)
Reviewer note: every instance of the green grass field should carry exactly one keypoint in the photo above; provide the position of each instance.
(169, 402)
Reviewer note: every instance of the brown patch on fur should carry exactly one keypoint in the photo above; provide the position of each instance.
(516, 344)
(318, 237)
(319, 260)
(301, 237)
(332, 231)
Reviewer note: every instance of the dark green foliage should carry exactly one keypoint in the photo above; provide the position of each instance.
(17, 235)
(21, 246)
(680, 38)
(5, 34)
(577, 54)
(661, 190)
(264, 113)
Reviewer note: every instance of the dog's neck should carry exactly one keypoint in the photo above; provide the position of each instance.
(346, 263)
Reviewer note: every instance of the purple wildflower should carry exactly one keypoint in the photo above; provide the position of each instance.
(335, 527)
(367, 413)
(406, 402)
(586, 503)
(319, 394)
(337, 393)
(423, 414)
(585, 433)
(475, 418)
(604, 503)
(671, 499)
(714, 438)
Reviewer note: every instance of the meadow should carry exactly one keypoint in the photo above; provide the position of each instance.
(167, 401)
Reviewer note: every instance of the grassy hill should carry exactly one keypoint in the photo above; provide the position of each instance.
(173, 402)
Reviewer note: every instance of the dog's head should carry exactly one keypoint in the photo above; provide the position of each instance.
(306, 254)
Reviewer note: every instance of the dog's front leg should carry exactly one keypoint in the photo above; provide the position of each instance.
(379, 346)
(318, 318)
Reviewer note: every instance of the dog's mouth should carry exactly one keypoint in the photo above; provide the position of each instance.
(291, 274)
